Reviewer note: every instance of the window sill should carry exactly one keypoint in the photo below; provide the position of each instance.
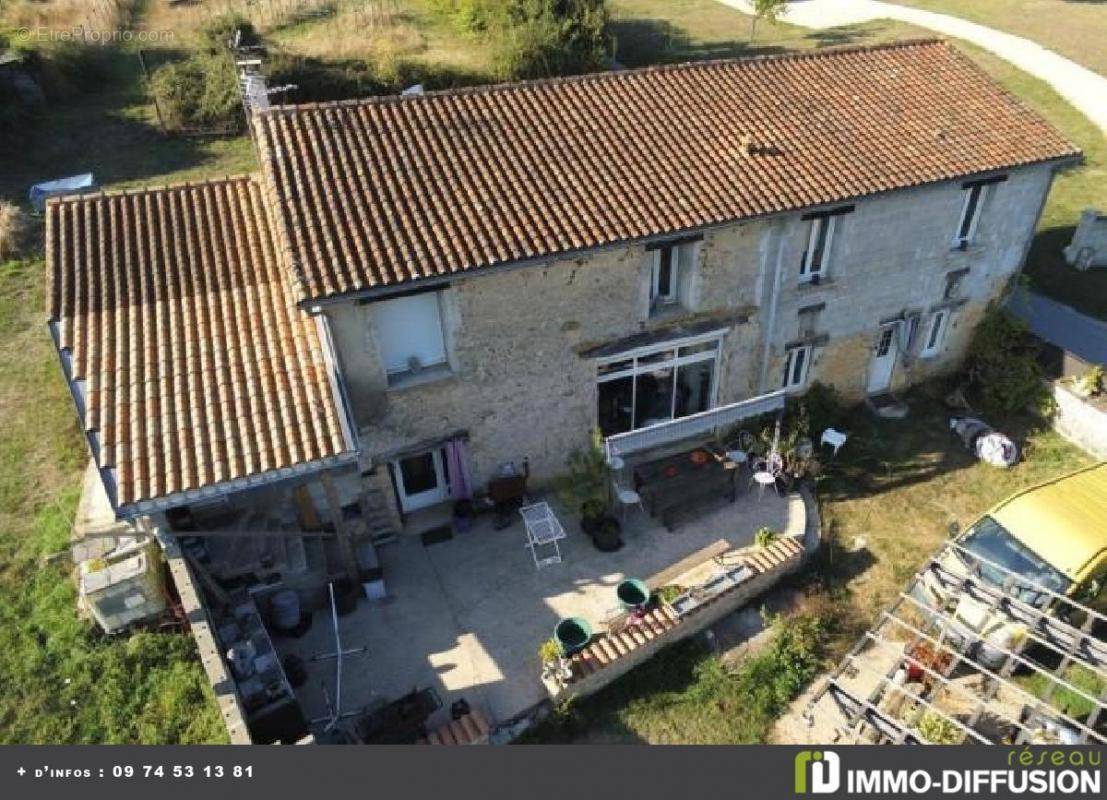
(401, 381)
(811, 286)
(668, 311)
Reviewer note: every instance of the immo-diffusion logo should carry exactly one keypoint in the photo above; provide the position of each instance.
(825, 769)
(1050, 772)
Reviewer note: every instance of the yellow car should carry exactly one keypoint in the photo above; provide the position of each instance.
(1054, 535)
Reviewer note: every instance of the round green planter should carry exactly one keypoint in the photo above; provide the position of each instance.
(572, 635)
(632, 593)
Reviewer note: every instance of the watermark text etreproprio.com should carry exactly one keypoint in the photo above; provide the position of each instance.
(80, 33)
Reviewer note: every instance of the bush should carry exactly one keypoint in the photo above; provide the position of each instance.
(199, 92)
(771, 679)
(1003, 366)
(547, 38)
(537, 38)
(17, 232)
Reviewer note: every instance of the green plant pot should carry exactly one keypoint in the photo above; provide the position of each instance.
(632, 593)
(573, 635)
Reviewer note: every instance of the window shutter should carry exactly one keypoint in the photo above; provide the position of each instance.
(410, 326)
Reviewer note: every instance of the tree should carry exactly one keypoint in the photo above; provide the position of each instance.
(770, 10)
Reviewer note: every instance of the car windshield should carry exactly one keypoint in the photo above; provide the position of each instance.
(990, 540)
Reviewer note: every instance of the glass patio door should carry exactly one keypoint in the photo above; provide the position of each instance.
(655, 385)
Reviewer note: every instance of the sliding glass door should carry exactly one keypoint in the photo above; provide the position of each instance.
(654, 385)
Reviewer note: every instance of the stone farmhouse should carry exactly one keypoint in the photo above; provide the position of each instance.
(415, 290)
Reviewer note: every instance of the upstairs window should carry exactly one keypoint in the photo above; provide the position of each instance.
(935, 334)
(666, 268)
(816, 258)
(975, 195)
(970, 215)
(409, 330)
(797, 363)
(815, 263)
(671, 273)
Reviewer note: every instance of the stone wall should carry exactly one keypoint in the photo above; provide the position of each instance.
(1080, 422)
(517, 383)
(892, 256)
(520, 387)
(611, 655)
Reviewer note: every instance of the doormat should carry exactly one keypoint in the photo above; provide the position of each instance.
(443, 533)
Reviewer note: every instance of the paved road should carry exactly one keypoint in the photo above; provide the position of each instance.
(1086, 90)
(1063, 326)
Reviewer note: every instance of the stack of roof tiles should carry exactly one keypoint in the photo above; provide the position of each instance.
(176, 313)
(377, 192)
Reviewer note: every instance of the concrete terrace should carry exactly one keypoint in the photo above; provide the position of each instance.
(466, 616)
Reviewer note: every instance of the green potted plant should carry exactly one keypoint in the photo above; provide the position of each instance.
(765, 536)
(586, 487)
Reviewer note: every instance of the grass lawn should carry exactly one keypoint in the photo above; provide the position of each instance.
(63, 681)
(1077, 29)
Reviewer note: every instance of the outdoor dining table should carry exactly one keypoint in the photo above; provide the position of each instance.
(678, 482)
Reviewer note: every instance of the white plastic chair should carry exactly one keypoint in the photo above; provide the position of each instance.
(627, 497)
(543, 529)
(833, 438)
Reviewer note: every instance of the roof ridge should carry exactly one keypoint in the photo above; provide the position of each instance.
(609, 75)
(138, 191)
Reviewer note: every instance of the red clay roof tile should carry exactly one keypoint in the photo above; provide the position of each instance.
(199, 367)
(383, 191)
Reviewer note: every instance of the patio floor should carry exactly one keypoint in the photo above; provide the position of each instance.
(466, 616)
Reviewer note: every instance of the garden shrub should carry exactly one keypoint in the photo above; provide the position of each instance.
(537, 38)
(199, 92)
(1002, 364)
(547, 38)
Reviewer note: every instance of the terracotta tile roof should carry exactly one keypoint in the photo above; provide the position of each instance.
(199, 369)
(375, 192)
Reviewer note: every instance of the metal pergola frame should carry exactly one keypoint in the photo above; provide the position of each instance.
(1046, 627)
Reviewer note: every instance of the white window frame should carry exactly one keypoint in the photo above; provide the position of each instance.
(673, 249)
(678, 361)
(981, 190)
(935, 334)
(810, 267)
(791, 381)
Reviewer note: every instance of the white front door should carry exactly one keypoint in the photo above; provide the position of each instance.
(883, 360)
(421, 480)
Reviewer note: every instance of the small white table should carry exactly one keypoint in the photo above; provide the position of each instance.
(543, 530)
(763, 479)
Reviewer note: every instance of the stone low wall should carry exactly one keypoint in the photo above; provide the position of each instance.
(219, 676)
(1080, 422)
(610, 656)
